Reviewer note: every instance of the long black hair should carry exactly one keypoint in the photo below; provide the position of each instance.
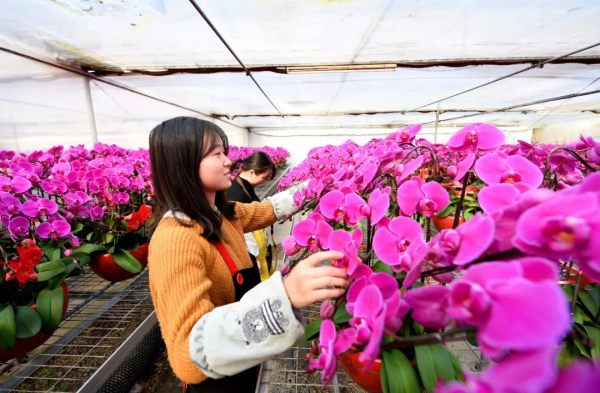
(176, 148)
(259, 161)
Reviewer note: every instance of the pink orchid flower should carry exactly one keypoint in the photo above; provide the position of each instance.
(396, 308)
(18, 227)
(9, 205)
(53, 229)
(347, 244)
(312, 234)
(500, 168)
(403, 171)
(563, 228)
(41, 207)
(341, 206)
(407, 134)
(459, 172)
(54, 187)
(377, 206)
(16, 185)
(120, 198)
(368, 320)
(76, 198)
(465, 243)
(487, 295)
(426, 198)
(330, 345)
(290, 246)
(476, 136)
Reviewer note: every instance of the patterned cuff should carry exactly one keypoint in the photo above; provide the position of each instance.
(283, 202)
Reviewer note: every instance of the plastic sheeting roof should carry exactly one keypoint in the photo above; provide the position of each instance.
(169, 34)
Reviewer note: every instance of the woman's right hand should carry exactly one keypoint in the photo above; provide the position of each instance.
(306, 283)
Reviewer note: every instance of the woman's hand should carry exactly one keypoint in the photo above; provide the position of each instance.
(306, 284)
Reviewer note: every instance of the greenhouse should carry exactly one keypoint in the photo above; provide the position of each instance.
(299, 196)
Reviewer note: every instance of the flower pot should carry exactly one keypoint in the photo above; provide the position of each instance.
(446, 222)
(25, 345)
(471, 191)
(370, 381)
(105, 266)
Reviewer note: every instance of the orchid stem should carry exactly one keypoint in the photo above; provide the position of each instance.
(492, 257)
(571, 152)
(428, 228)
(433, 159)
(576, 293)
(368, 235)
(460, 201)
(432, 338)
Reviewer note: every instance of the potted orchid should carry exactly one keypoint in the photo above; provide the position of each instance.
(278, 155)
(109, 204)
(35, 245)
(103, 196)
(496, 278)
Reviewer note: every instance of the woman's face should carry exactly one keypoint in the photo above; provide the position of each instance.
(214, 171)
(255, 179)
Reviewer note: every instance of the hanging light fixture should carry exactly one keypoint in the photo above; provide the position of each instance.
(339, 68)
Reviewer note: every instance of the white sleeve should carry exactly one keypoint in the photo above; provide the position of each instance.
(283, 202)
(241, 335)
(251, 243)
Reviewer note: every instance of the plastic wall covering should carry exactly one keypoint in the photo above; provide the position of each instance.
(42, 106)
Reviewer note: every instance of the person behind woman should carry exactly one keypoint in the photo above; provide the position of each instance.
(218, 321)
(255, 169)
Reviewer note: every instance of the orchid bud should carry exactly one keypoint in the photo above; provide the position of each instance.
(290, 246)
(314, 349)
(327, 310)
(452, 170)
(285, 269)
(310, 370)
(68, 253)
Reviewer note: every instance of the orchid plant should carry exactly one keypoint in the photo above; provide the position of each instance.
(50, 203)
(278, 155)
(498, 278)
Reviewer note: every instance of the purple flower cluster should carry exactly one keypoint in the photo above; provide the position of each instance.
(43, 192)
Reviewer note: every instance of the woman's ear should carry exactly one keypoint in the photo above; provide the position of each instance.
(252, 174)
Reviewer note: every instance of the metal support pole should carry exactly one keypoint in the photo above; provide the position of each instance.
(90, 109)
(437, 120)
(17, 147)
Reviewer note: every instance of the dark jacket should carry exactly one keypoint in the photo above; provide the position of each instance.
(237, 194)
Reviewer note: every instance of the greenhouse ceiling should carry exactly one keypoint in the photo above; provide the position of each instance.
(324, 63)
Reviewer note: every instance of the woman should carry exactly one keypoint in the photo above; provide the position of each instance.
(256, 169)
(218, 321)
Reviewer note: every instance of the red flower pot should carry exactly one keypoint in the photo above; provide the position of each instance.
(370, 381)
(446, 222)
(25, 345)
(471, 191)
(105, 266)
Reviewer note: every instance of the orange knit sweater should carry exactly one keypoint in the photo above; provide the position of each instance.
(189, 278)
